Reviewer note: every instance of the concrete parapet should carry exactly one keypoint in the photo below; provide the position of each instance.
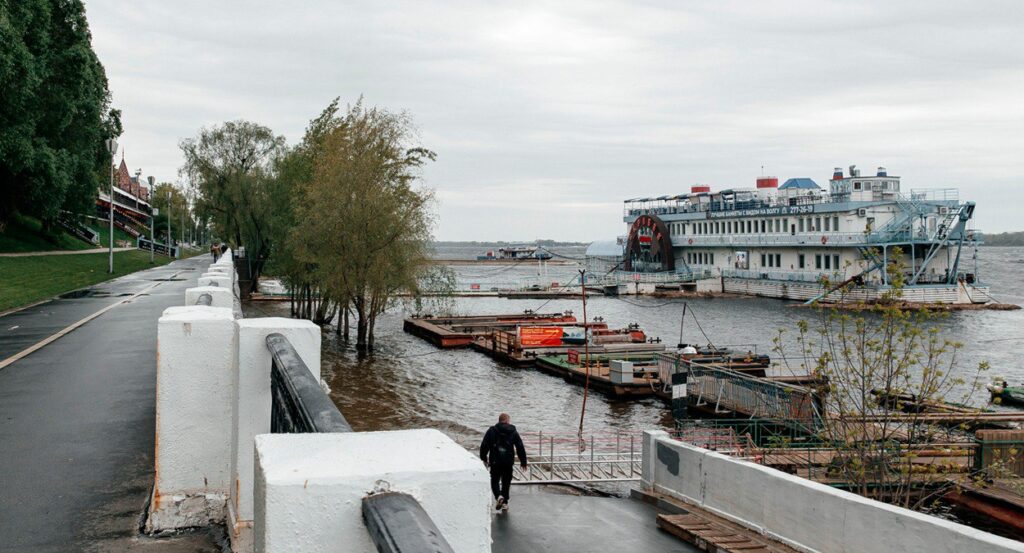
(309, 488)
(805, 514)
(251, 405)
(195, 365)
(222, 297)
(215, 279)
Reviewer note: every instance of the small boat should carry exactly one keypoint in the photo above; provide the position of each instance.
(1004, 393)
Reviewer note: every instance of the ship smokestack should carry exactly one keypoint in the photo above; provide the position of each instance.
(697, 188)
(854, 172)
(882, 172)
(837, 173)
(767, 182)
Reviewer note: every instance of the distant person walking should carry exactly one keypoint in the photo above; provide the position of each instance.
(498, 451)
(215, 251)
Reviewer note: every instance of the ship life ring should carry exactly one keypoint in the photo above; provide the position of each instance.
(691, 241)
(824, 239)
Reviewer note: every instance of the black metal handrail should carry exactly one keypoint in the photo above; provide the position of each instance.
(204, 299)
(398, 524)
(298, 402)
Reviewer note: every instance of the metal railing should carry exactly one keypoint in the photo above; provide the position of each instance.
(299, 404)
(567, 458)
(396, 522)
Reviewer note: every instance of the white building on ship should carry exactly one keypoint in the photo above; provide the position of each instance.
(783, 241)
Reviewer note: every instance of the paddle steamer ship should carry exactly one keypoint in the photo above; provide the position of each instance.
(781, 241)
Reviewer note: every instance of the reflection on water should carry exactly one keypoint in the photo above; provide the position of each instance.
(410, 383)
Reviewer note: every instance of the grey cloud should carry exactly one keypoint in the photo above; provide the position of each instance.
(546, 115)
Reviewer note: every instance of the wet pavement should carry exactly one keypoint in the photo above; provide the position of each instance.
(77, 418)
(545, 519)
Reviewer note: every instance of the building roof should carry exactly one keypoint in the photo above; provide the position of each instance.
(802, 183)
(604, 248)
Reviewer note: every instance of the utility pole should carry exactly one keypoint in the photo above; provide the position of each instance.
(112, 148)
(153, 212)
(169, 237)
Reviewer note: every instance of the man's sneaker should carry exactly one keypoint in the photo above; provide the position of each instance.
(504, 506)
(501, 504)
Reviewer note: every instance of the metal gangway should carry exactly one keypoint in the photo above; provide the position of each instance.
(566, 457)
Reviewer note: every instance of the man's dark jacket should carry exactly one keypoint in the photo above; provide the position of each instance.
(495, 435)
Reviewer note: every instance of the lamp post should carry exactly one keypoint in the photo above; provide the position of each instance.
(112, 148)
(153, 212)
(169, 220)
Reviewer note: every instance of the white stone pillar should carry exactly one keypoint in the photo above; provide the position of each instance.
(251, 405)
(195, 366)
(222, 297)
(220, 280)
(649, 457)
(309, 488)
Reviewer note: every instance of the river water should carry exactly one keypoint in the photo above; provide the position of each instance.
(409, 383)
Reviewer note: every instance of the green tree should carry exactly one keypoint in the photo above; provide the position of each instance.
(361, 219)
(231, 167)
(886, 366)
(171, 202)
(55, 113)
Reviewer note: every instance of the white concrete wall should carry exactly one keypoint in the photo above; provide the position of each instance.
(223, 281)
(805, 514)
(195, 362)
(309, 488)
(251, 404)
(222, 297)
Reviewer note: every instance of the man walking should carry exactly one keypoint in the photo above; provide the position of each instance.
(498, 451)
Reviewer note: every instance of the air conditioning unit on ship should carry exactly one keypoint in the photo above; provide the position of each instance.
(862, 212)
(943, 211)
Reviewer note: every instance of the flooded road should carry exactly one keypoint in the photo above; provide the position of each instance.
(410, 383)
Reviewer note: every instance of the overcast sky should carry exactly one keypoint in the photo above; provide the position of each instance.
(546, 116)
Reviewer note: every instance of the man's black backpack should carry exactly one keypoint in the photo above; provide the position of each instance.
(504, 452)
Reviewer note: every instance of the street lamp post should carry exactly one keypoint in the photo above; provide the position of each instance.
(112, 148)
(169, 220)
(153, 212)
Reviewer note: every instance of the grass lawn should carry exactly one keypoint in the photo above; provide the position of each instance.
(119, 235)
(25, 234)
(24, 280)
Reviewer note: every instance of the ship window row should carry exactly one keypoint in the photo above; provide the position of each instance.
(759, 226)
(700, 258)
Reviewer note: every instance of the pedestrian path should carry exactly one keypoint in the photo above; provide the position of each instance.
(77, 417)
(546, 519)
(64, 252)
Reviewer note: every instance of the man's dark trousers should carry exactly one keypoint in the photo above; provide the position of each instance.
(501, 480)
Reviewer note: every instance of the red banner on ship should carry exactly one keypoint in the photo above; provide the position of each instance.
(540, 336)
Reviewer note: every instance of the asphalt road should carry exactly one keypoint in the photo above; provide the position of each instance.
(543, 520)
(77, 418)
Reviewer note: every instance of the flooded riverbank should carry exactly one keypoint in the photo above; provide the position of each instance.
(410, 383)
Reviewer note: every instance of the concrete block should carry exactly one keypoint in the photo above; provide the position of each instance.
(217, 281)
(251, 400)
(648, 459)
(310, 488)
(195, 365)
(222, 297)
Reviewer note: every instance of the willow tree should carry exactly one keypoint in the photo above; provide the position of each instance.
(231, 167)
(362, 218)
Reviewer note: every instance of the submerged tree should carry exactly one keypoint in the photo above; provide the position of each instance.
(361, 218)
(231, 167)
(886, 366)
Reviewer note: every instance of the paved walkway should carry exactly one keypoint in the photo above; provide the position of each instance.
(77, 418)
(64, 252)
(542, 520)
